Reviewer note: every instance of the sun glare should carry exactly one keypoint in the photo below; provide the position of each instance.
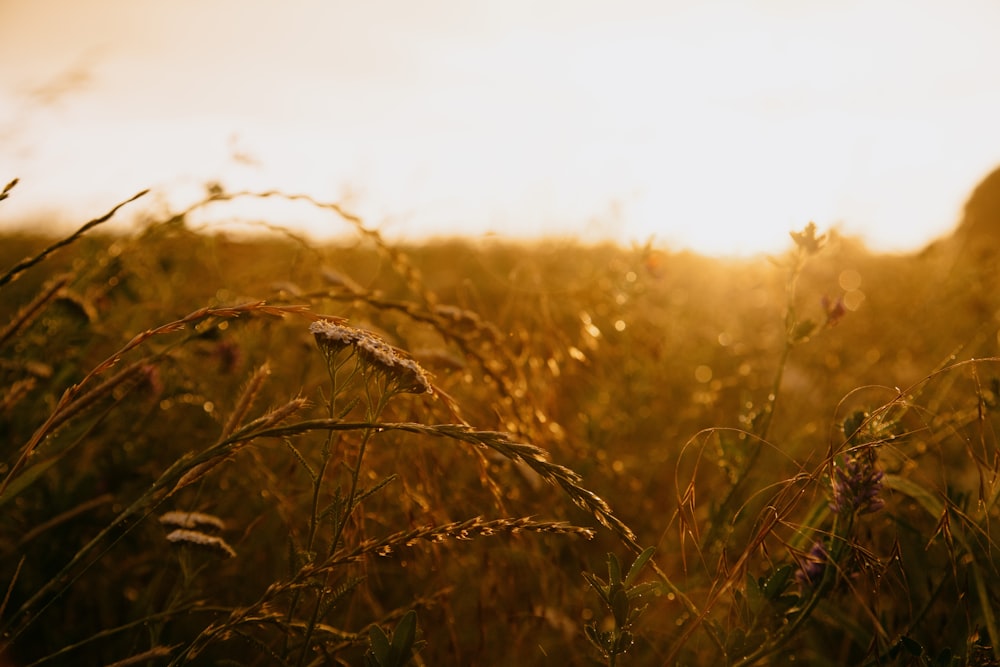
(709, 127)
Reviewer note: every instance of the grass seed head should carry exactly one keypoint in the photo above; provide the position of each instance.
(198, 539)
(193, 521)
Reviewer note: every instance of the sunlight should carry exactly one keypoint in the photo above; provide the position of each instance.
(713, 128)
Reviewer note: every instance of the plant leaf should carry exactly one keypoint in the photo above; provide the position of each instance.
(402, 638)
(379, 643)
(614, 570)
(638, 564)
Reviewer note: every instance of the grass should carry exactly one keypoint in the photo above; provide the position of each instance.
(260, 450)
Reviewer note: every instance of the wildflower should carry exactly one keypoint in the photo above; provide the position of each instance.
(375, 352)
(333, 338)
(811, 570)
(404, 374)
(375, 356)
(807, 240)
(834, 309)
(412, 378)
(198, 539)
(856, 484)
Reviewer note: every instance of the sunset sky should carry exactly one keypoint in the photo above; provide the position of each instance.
(716, 126)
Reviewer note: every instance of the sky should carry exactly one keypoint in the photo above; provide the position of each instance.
(713, 126)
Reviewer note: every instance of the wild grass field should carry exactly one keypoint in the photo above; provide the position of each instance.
(230, 450)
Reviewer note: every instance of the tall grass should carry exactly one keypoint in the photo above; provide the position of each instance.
(266, 451)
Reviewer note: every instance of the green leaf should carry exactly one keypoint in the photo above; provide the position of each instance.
(26, 478)
(853, 424)
(643, 589)
(614, 570)
(638, 564)
(619, 605)
(802, 330)
(635, 613)
(378, 644)
(624, 642)
(403, 637)
(924, 497)
(777, 582)
(599, 586)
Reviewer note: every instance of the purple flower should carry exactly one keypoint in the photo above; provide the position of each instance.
(856, 484)
(813, 566)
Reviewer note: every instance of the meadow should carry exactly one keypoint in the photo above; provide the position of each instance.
(223, 449)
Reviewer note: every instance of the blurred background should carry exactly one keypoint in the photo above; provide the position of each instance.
(714, 126)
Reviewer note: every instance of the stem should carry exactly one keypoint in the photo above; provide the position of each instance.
(333, 368)
(375, 409)
(762, 429)
(841, 530)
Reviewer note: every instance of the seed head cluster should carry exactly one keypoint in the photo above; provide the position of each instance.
(374, 355)
(208, 523)
(333, 338)
(197, 529)
(198, 539)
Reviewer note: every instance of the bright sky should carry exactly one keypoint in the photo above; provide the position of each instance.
(710, 125)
